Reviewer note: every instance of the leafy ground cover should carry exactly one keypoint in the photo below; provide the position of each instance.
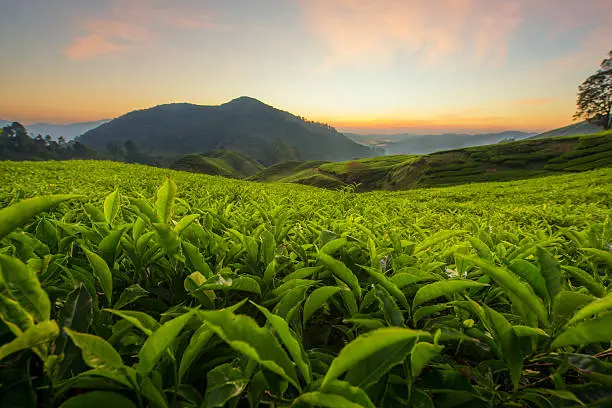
(123, 286)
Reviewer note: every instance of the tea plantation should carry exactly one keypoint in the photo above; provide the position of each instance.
(130, 286)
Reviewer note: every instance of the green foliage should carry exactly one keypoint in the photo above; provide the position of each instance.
(234, 293)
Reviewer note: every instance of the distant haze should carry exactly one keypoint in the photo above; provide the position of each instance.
(68, 131)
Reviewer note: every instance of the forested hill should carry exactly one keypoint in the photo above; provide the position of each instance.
(246, 125)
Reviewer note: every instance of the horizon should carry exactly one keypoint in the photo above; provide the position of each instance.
(369, 67)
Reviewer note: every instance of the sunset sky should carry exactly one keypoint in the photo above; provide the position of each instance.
(361, 65)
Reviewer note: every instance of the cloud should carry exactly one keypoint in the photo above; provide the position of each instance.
(435, 33)
(134, 24)
(108, 37)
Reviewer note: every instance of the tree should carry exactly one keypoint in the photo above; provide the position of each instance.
(595, 96)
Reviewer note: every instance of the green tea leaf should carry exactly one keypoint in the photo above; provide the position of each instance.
(140, 320)
(108, 245)
(586, 332)
(551, 271)
(586, 280)
(604, 256)
(223, 383)
(164, 205)
(24, 287)
(367, 344)
(245, 336)
(16, 215)
(112, 203)
(437, 238)
(102, 272)
(388, 285)
(341, 271)
(159, 341)
(196, 259)
(296, 351)
(198, 341)
(41, 334)
(97, 352)
(422, 353)
(595, 307)
(185, 222)
(129, 295)
(14, 316)
(513, 286)
(333, 246)
(316, 299)
(443, 288)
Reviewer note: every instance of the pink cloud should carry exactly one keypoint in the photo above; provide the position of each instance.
(134, 24)
(434, 32)
(107, 37)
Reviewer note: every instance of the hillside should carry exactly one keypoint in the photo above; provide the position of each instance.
(425, 144)
(581, 128)
(219, 163)
(246, 125)
(499, 162)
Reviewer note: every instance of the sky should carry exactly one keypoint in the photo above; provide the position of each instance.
(366, 66)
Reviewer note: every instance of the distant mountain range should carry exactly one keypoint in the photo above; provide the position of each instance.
(404, 143)
(68, 131)
(246, 125)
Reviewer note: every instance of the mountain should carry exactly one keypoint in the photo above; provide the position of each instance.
(424, 144)
(246, 125)
(581, 128)
(219, 163)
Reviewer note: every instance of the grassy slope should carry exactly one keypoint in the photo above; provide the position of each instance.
(219, 163)
(581, 128)
(500, 162)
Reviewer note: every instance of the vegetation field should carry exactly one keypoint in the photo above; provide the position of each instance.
(499, 162)
(143, 287)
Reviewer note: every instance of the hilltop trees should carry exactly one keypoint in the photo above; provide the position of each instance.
(16, 144)
(595, 96)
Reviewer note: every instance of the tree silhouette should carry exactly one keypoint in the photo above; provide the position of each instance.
(595, 96)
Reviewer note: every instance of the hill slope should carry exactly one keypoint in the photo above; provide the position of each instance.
(582, 128)
(219, 163)
(425, 144)
(500, 162)
(246, 125)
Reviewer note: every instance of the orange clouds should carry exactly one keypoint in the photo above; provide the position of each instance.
(134, 24)
(443, 32)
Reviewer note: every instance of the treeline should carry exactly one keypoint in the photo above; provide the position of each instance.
(18, 145)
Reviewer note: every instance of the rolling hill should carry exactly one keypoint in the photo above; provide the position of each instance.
(581, 128)
(499, 162)
(246, 125)
(219, 163)
(404, 143)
